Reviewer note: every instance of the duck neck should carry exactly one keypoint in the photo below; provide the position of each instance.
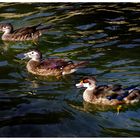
(7, 32)
(32, 64)
(6, 35)
(88, 94)
(91, 88)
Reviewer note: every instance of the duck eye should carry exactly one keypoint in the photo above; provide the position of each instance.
(5, 27)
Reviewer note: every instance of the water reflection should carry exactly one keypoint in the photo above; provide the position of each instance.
(106, 35)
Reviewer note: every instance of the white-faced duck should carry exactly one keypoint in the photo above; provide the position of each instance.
(21, 34)
(108, 94)
(50, 66)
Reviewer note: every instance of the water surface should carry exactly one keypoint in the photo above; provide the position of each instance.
(105, 35)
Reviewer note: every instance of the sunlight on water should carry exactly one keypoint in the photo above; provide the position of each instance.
(105, 35)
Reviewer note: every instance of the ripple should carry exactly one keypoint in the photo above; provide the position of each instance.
(106, 35)
(10, 10)
(120, 62)
(113, 28)
(8, 81)
(86, 27)
(128, 45)
(39, 15)
(109, 43)
(3, 63)
(68, 48)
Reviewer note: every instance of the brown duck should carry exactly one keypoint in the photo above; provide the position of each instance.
(52, 66)
(21, 34)
(108, 94)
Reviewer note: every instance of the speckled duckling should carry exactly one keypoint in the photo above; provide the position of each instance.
(21, 34)
(52, 66)
(108, 94)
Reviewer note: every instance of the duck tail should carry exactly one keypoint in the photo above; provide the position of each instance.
(36, 26)
(80, 64)
(45, 29)
(133, 94)
(131, 87)
(129, 93)
(72, 65)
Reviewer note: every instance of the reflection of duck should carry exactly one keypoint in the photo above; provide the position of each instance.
(52, 66)
(22, 34)
(108, 94)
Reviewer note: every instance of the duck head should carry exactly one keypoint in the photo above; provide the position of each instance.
(6, 27)
(33, 55)
(87, 82)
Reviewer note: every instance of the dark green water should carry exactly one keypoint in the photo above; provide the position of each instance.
(106, 35)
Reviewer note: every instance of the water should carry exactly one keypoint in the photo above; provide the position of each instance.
(106, 35)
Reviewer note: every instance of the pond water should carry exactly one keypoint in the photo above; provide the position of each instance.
(104, 34)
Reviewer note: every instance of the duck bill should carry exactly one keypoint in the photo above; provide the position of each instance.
(25, 56)
(79, 85)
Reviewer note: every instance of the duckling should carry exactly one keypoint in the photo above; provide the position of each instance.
(21, 34)
(99, 94)
(50, 66)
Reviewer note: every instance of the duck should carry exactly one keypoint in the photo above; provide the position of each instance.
(108, 94)
(50, 66)
(21, 34)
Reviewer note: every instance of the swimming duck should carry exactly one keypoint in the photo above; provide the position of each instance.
(50, 66)
(21, 34)
(108, 94)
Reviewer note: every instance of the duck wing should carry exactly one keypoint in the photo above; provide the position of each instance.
(116, 87)
(106, 91)
(32, 29)
(26, 33)
(133, 94)
(26, 30)
(72, 65)
(129, 93)
(54, 63)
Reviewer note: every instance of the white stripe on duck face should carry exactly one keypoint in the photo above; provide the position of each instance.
(89, 86)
